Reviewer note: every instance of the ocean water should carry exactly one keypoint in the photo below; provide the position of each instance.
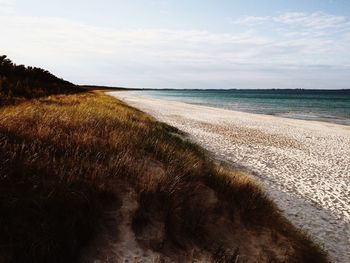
(322, 105)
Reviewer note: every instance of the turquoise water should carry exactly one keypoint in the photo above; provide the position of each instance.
(324, 105)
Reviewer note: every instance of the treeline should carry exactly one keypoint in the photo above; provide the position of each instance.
(18, 81)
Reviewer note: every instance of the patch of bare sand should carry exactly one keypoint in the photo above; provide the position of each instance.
(119, 245)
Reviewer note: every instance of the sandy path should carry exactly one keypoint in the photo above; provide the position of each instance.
(304, 165)
(119, 245)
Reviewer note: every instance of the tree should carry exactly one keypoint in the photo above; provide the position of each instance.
(22, 81)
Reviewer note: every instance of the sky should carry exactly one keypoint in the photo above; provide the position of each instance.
(217, 44)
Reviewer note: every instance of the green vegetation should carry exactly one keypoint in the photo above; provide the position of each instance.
(18, 81)
(69, 160)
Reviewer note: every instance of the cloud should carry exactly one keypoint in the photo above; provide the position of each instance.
(251, 20)
(6, 7)
(55, 35)
(316, 20)
(158, 57)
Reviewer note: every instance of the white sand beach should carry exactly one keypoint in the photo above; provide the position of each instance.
(303, 165)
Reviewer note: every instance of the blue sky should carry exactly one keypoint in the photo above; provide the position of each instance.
(183, 44)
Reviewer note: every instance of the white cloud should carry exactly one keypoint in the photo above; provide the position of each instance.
(316, 20)
(179, 58)
(54, 35)
(6, 7)
(251, 20)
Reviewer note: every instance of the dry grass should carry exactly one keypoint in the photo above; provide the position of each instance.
(67, 160)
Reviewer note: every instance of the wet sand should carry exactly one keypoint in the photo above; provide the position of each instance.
(303, 165)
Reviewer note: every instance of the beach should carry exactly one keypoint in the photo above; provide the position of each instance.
(303, 165)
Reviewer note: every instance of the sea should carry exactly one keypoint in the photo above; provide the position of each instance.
(317, 105)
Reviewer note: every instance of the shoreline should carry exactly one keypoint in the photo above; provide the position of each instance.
(286, 118)
(301, 163)
(303, 110)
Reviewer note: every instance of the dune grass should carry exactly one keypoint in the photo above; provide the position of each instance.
(67, 160)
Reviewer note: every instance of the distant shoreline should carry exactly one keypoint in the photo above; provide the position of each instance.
(102, 87)
(312, 105)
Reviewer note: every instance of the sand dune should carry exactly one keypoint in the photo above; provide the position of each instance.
(303, 165)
